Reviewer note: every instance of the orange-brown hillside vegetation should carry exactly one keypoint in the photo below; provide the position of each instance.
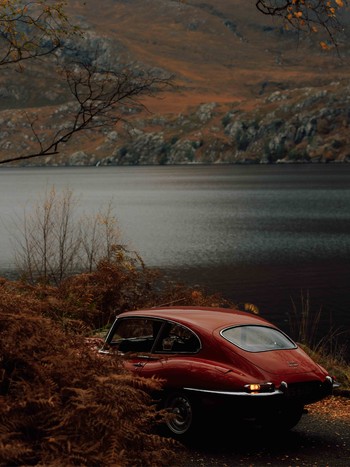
(228, 62)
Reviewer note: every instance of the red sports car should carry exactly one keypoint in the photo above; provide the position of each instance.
(215, 359)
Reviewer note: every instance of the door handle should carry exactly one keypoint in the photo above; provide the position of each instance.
(139, 364)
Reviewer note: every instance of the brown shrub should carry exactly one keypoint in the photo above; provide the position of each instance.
(115, 286)
(61, 404)
(92, 300)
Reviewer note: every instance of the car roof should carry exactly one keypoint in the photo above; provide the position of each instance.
(203, 317)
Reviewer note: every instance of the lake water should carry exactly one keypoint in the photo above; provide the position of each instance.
(261, 234)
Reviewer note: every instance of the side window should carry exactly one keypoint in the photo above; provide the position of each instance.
(135, 334)
(175, 338)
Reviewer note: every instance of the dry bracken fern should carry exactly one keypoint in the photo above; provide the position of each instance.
(61, 404)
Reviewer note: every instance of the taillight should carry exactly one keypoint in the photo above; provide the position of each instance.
(256, 388)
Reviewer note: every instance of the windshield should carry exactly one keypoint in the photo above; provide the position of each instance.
(257, 338)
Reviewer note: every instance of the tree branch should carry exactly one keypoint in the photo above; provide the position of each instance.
(99, 96)
(32, 29)
(307, 15)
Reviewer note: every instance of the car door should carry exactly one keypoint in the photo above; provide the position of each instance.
(152, 347)
(172, 356)
(133, 338)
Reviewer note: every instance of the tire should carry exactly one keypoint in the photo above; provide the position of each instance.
(181, 420)
(290, 417)
(283, 419)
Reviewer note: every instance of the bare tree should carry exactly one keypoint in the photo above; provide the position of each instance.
(54, 241)
(99, 237)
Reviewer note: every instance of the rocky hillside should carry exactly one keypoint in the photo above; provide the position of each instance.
(303, 125)
(246, 90)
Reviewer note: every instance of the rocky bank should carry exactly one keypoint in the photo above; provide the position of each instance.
(303, 125)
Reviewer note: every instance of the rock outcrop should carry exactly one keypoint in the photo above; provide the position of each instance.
(291, 126)
(288, 126)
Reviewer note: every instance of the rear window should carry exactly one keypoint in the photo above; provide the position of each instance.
(257, 338)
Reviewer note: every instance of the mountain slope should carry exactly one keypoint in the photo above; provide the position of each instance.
(234, 69)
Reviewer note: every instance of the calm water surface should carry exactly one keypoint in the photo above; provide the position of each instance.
(254, 233)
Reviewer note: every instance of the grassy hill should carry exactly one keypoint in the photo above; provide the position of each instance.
(241, 83)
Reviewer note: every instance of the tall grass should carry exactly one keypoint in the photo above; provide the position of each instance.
(323, 341)
(307, 327)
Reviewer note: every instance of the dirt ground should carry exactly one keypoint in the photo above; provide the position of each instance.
(322, 438)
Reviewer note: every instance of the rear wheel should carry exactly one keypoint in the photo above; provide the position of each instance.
(285, 418)
(290, 417)
(181, 410)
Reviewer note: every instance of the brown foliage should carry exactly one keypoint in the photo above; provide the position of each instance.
(308, 15)
(95, 298)
(92, 300)
(62, 404)
(332, 408)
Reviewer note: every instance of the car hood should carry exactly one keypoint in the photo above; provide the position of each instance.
(282, 362)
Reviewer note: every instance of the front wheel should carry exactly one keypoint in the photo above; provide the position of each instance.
(181, 408)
